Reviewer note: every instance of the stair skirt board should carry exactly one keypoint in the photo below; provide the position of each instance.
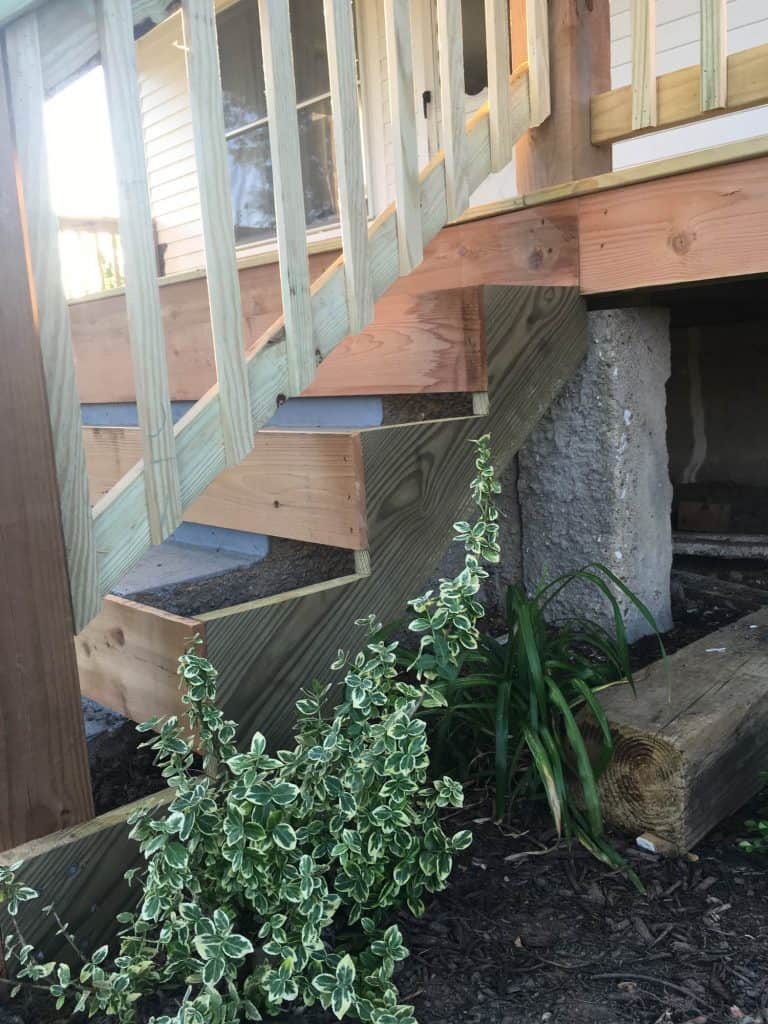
(268, 650)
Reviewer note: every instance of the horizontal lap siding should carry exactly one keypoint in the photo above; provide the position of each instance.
(678, 32)
(169, 146)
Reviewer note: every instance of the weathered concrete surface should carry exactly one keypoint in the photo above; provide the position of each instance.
(594, 477)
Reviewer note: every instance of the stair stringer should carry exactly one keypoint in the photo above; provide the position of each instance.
(417, 480)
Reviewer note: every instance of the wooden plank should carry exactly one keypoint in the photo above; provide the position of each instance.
(27, 99)
(280, 88)
(524, 247)
(643, 33)
(80, 870)
(218, 228)
(300, 484)
(497, 34)
(417, 343)
(679, 96)
(414, 472)
(452, 104)
(689, 751)
(537, 28)
(714, 50)
(128, 656)
(694, 227)
(120, 534)
(44, 781)
(580, 51)
(397, 19)
(342, 65)
(161, 478)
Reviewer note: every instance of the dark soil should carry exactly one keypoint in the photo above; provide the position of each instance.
(121, 770)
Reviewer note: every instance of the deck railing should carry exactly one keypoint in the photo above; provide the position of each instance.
(180, 461)
(719, 83)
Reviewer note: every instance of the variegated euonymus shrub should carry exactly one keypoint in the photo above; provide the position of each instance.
(272, 879)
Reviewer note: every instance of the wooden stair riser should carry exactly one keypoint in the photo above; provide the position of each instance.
(301, 485)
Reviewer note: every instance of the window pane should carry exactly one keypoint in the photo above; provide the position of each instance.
(475, 58)
(242, 78)
(310, 57)
(251, 175)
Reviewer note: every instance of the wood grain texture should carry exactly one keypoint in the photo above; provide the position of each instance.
(714, 54)
(643, 35)
(690, 748)
(679, 96)
(537, 29)
(288, 188)
(27, 99)
(497, 34)
(137, 235)
(121, 533)
(347, 135)
(523, 247)
(128, 656)
(299, 484)
(416, 479)
(207, 107)
(452, 104)
(560, 150)
(694, 227)
(80, 870)
(44, 780)
(397, 20)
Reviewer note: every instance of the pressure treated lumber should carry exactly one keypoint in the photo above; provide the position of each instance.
(150, 368)
(207, 107)
(299, 484)
(497, 34)
(44, 780)
(452, 104)
(579, 43)
(643, 36)
(414, 472)
(691, 747)
(679, 97)
(714, 50)
(695, 227)
(128, 655)
(27, 98)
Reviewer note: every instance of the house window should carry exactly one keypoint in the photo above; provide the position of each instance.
(475, 56)
(245, 118)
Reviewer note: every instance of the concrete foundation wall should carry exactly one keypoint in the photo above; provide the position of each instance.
(594, 481)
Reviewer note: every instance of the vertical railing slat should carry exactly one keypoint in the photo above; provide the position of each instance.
(714, 66)
(538, 61)
(280, 87)
(497, 37)
(452, 105)
(207, 107)
(27, 99)
(340, 37)
(150, 368)
(644, 109)
(397, 17)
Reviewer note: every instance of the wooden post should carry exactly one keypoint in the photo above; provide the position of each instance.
(579, 38)
(44, 779)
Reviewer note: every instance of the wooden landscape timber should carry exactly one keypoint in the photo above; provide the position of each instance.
(536, 338)
(690, 748)
(417, 342)
(298, 484)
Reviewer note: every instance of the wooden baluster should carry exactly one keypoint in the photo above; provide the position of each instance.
(218, 227)
(280, 86)
(497, 36)
(714, 61)
(537, 20)
(397, 16)
(452, 105)
(340, 37)
(27, 99)
(644, 106)
(161, 474)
